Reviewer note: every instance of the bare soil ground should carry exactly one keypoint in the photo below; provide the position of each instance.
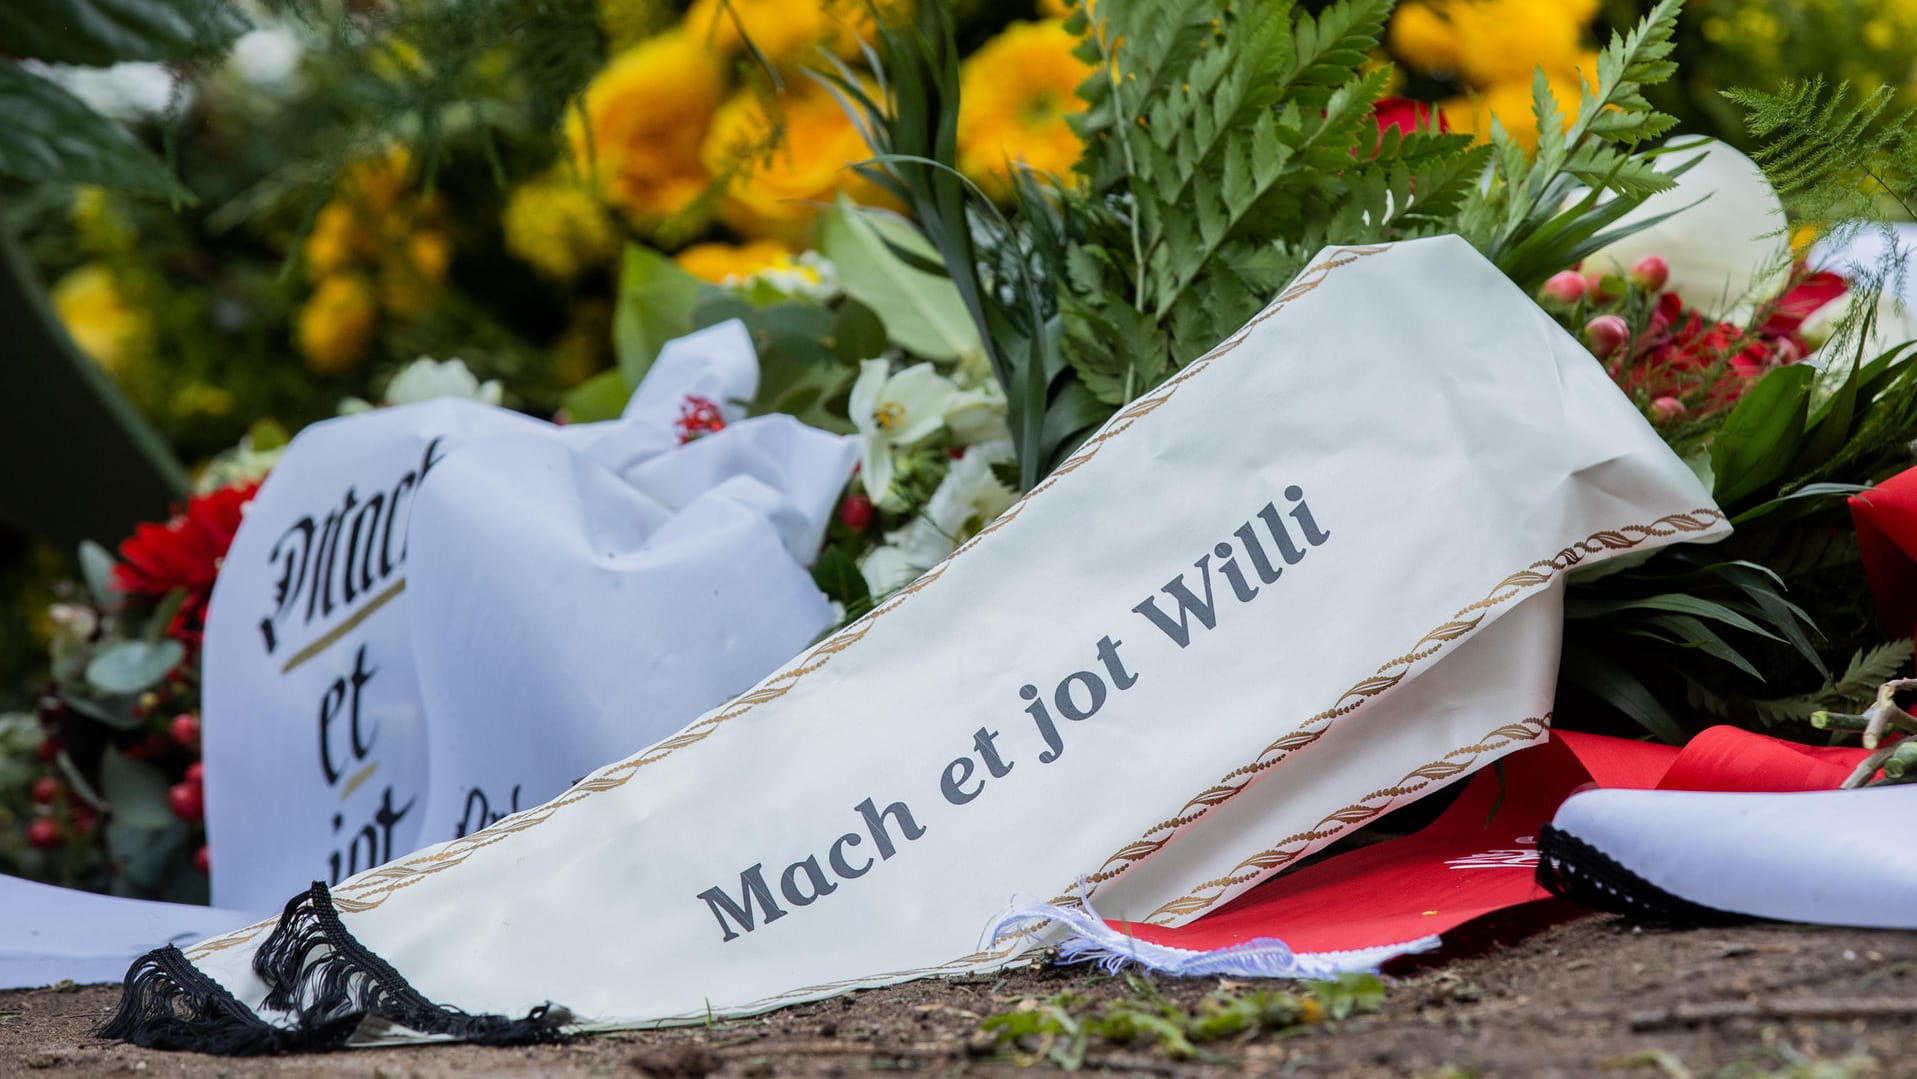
(1590, 996)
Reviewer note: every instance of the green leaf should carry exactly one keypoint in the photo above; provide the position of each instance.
(96, 567)
(601, 397)
(136, 790)
(115, 712)
(923, 312)
(656, 300)
(837, 575)
(1761, 436)
(1620, 689)
(99, 33)
(50, 135)
(163, 615)
(858, 333)
(126, 667)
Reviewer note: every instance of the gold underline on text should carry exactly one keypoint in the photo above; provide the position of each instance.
(359, 777)
(343, 628)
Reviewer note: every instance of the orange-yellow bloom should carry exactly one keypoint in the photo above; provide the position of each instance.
(720, 263)
(646, 113)
(337, 324)
(783, 160)
(1015, 93)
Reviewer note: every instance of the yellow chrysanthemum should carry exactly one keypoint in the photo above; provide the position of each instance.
(558, 228)
(99, 318)
(1014, 94)
(336, 324)
(646, 113)
(721, 263)
(787, 32)
(783, 160)
(1424, 39)
(1511, 101)
(1489, 42)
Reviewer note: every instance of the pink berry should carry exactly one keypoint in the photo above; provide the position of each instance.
(186, 729)
(44, 834)
(202, 861)
(1666, 409)
(1606, 334)
(196, 773)
(1566, 287)
(856, 512)
(45, 790)
(1650, 273)
(83, 818)
(188, 801)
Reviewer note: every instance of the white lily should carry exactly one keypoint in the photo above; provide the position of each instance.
(897, 411)
(1728, 253)
(967, 499)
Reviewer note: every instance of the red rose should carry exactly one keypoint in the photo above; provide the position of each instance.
(184, 552)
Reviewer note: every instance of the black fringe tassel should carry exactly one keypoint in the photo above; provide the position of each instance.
(316, 972)
(1570, 868)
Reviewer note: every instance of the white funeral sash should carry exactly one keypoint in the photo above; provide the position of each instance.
(1314, 575)
(439, 614)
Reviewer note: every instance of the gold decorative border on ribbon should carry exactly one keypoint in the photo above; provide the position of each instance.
(369, 890)
(1387, 676)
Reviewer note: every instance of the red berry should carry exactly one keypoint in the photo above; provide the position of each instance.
(1606, 334)
(188, 801)
(45, 790)
(1566, 287)
(1666, 409)
(201, 861)
(196, 773)
(186, 729)
(44, 833)
(83, 818)
(856, 512)
(49, 749)
(1650, 273)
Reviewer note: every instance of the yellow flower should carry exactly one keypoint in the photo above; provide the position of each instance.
(558, 228)
(99, 222)
(98, 317)
(783, 160)
(1510, 102)
(720, 263)
(336, 324)
(429, 252)
(336, 239)
(1490, 41)
(646, 113)
(374, 184)
(787, 32)
(1424, 39)
(1014, 94)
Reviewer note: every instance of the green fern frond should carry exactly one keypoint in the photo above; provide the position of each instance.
(1847, 692)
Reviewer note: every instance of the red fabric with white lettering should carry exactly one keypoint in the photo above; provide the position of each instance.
(1481, 854)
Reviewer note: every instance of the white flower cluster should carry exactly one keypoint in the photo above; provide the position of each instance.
(912, 413)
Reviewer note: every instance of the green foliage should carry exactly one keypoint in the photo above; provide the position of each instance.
(52, 136)
(1848, 691)
(1224, 145)
(1517, 218)
(98, 33)
(1063, 1029)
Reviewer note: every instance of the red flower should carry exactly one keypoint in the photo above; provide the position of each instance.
(698, 416)
(185, 552)
(1407, 116)
(1811, 292)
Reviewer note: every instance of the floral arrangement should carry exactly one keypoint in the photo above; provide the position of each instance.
(966, 243)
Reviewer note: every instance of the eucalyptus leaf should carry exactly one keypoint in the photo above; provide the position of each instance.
(96, 567)
(923, 312)
(132, 666)
(601, 397)
(98, 33)
(50, 135)
(115, 712)
(163, 615)
(656, 300)
(136, 790)
(858, 333)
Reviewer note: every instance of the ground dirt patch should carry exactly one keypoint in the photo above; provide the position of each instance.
(1590, 996)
